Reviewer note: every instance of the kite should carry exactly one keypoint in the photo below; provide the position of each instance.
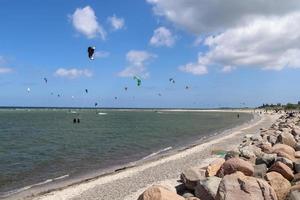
(187, 87)
(125, 88)
(46, 80)
(28, 90)
(138, 81)
(91, 51)
(116, 98)
(96, 104)
(86, 91)
(171, 80)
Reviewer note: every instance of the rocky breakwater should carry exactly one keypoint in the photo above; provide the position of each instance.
(266, 166)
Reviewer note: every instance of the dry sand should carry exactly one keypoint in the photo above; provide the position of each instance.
(129, 183)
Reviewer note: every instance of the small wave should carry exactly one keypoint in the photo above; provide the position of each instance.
(101, 113)
(6, 194)
(156, 153)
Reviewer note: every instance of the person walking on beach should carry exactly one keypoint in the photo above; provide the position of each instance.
(238, 115)
(74, 121)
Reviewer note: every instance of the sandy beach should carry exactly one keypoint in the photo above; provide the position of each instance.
(129, 183)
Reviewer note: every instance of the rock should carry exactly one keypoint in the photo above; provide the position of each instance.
(191, 176)
(236, 164)
(192, 198)
(296, 131)
(295, 187)
(266, 147)
(279, 184)
(207, 188)
(187, 194)
(231, 154)
(267, 159)
(297, 147)
(247, 152)
(279, 148)
(214, 167)
(296, 177)
(272, 139)
(283, 169)
(294, 195)
(297, 166)
(297, 154)
(256, 137)
(237, 186)
(287, 138)
(159, 193)
(285, 155)
(260, 170)
(250, 151)
(286, 161)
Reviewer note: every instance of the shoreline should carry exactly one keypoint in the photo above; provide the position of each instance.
(37, 193)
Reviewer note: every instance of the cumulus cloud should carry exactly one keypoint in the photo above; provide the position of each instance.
(268, 43)
(162, 37)
(85, 22)
(101, 54)
(73, 73)
(248, 33)
(116, 23)
(137, 64)
(198, 68)
(210, 16)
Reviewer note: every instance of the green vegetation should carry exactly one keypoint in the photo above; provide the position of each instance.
(279, 106)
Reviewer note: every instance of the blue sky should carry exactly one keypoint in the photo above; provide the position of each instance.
(225, 57)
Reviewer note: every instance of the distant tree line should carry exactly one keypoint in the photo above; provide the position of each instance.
(279, 106)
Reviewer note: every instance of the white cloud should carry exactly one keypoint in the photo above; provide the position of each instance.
(198, 68)
(268, 43)
(162, 37)
(101, 54)
(5, 70)
(137, 64)
(116, 23)
(227, 69)
(248, 33)
(85, 21)
(210, 16)
(73, 73)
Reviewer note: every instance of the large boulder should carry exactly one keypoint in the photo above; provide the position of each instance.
(287, 138)
(237, 186)
(286, 161)
(284, 150)
(279, 184)
(250, 151)
(214, 167)
(236, 164)
(266, 147)
(207, 188)
(159, 193)
(191, 176)
(282, 169)
(265, 158)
